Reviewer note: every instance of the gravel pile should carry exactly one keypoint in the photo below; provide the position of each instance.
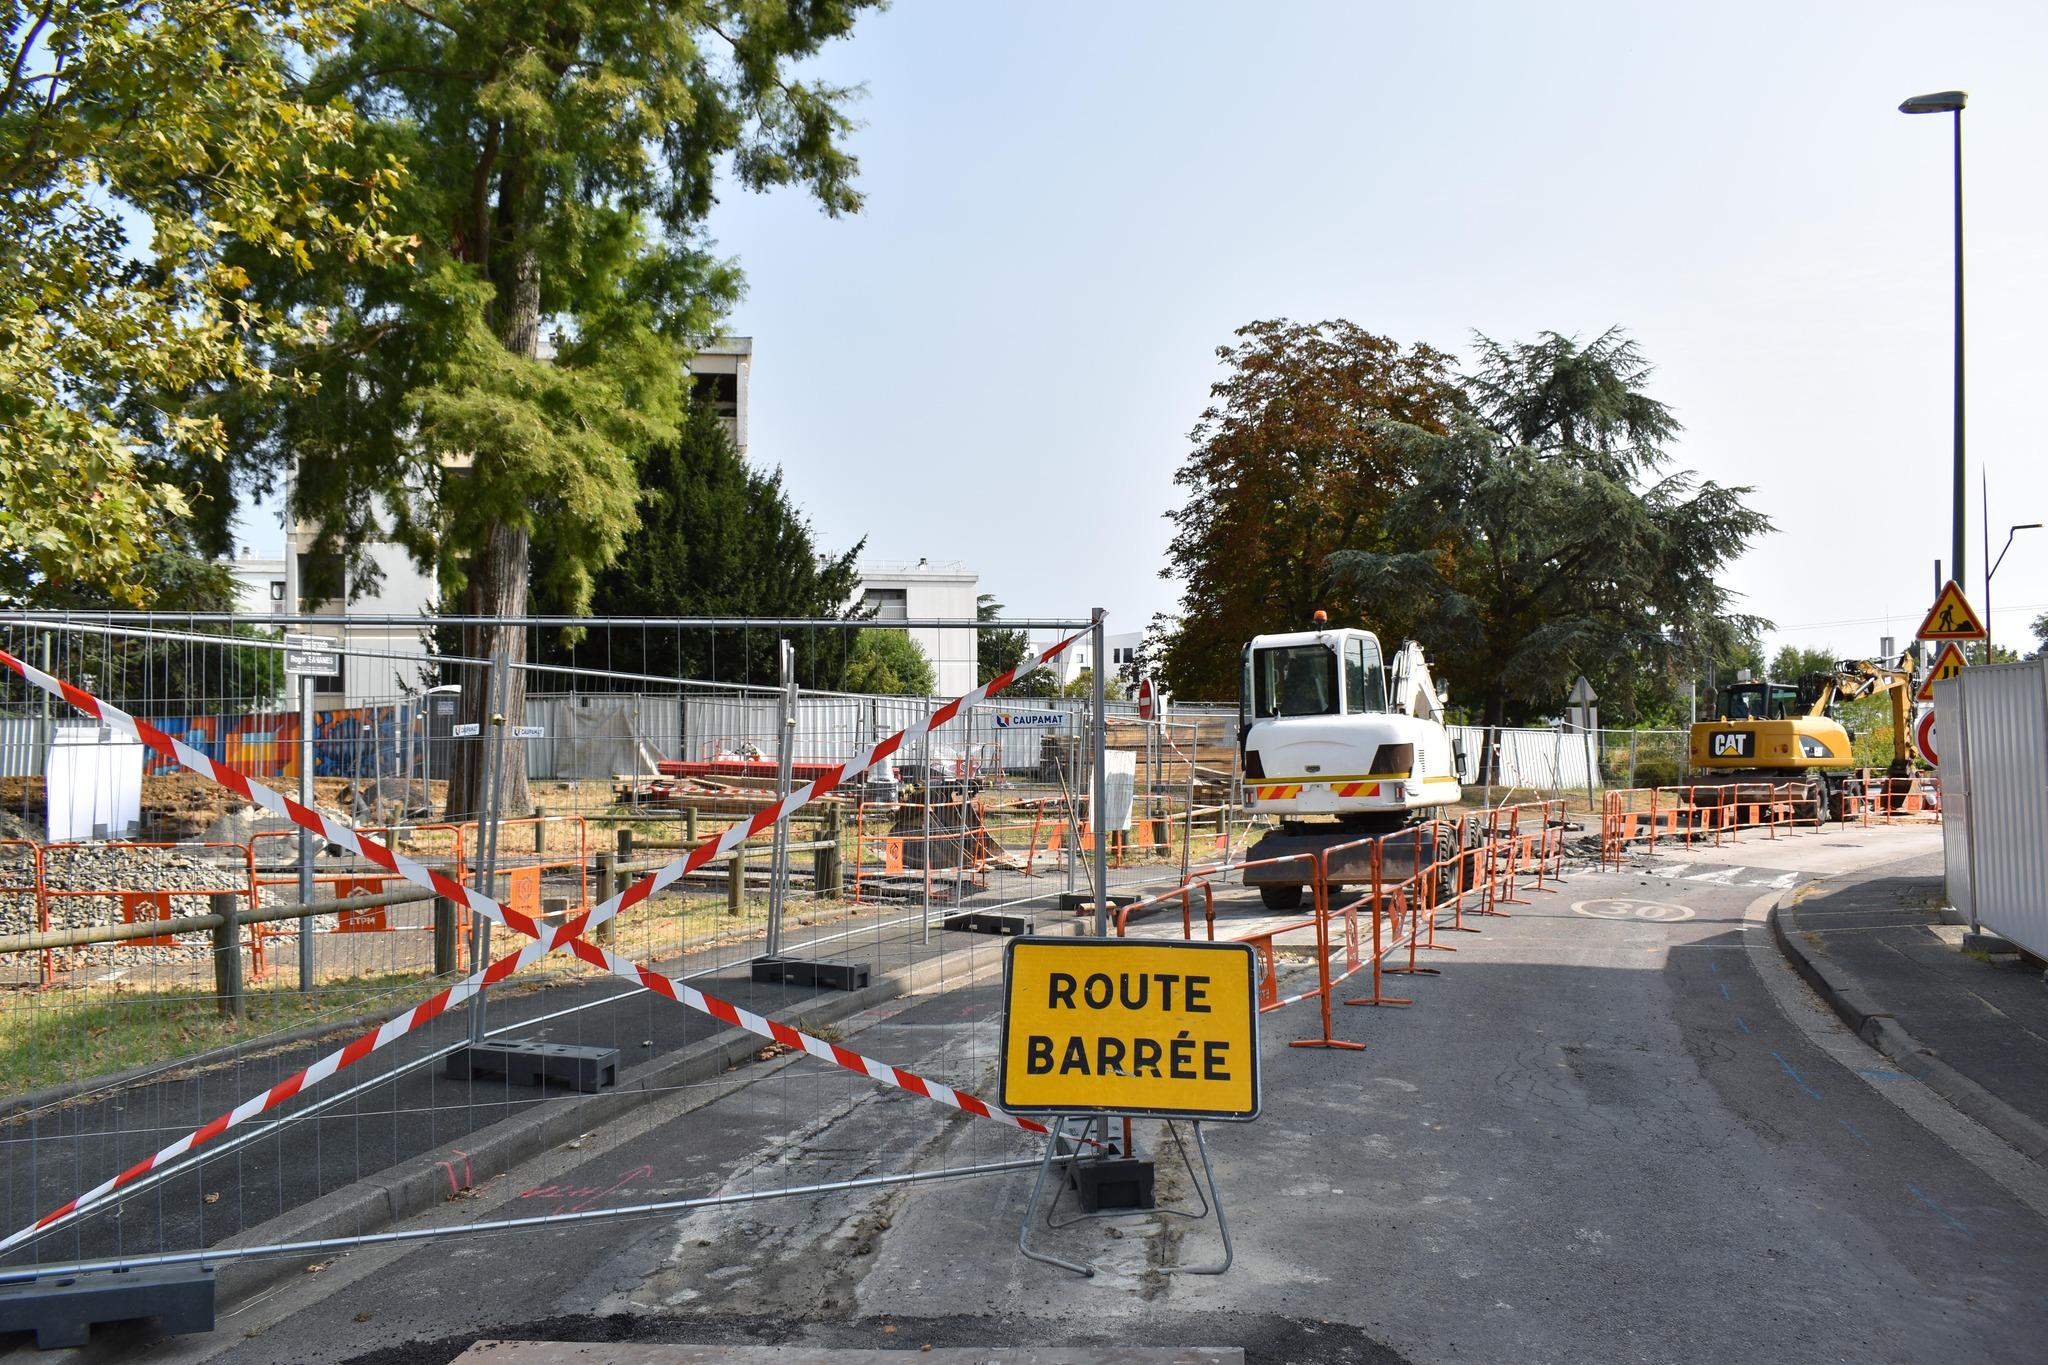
(86, 867)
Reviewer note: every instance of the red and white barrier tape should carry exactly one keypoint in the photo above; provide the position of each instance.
(546, 940)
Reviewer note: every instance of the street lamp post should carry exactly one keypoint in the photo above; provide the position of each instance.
(1952, 102)
(2009, 534)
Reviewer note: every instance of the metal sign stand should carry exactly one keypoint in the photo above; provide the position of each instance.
(307, 658)
(773, 965)
(1205, 1188)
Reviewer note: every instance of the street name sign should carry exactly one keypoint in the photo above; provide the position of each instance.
(311, 656)
(1159, 1030)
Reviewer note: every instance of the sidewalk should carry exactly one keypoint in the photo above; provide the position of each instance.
(1975, 1031)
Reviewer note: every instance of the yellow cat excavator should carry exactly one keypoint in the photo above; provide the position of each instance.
(1787, 732)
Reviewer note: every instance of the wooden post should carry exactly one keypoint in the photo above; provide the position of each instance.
(625, 843)
(444, 936)
(826, 876)
(690, 825)
(735, 879)
(540, 831)
(607, 887)
(227, 955)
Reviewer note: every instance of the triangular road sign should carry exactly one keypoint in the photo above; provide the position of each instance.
(1951, 618)
(1947, 664)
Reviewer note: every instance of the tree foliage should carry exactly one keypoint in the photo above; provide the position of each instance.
(1541, 535)
(138, 145)
(501, 391)
(996, 651)
(155, 676)
(1791, 662)
(716, 537)
(889, 662)
(1293, 461)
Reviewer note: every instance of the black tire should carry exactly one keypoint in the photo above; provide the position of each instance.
(1280, 897)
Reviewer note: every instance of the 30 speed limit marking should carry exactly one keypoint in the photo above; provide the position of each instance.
(1623, 907)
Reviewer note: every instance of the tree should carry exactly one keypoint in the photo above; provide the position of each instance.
(1292, 461)
(137, 144)
(996, 651)
(1539, 538)
(2040, 629)
(157, 677)
(1792, 663)
(1082, 687)
(889, 662)
(716, 537)
(503, 389)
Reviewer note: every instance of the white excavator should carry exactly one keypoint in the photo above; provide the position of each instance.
(1340, 745)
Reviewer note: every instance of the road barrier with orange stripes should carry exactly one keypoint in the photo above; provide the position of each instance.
(1704, 813)
(1416, 883)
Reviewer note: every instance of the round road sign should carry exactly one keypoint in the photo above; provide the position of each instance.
(1924, 736)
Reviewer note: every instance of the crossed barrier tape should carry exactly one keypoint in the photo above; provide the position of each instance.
(546, 940)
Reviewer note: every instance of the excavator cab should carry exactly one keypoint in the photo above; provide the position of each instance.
(1760, 701)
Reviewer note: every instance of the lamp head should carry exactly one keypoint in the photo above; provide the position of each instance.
(1940, 102)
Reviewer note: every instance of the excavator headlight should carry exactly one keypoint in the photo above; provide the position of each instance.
(1812, 748)
(1253, 768)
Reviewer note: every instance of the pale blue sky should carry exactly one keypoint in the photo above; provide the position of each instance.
(1071, 206)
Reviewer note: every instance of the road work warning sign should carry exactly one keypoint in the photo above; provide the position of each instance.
(1167, 1030)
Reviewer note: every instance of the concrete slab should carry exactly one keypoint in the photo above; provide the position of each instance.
(627, 1353)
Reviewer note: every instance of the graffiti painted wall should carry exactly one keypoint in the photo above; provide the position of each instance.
(353, 741)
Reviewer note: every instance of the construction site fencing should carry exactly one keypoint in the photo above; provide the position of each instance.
(1375, 901)
(177, 1000)
(1715, 814)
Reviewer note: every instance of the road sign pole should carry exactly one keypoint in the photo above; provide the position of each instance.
(306, 963)
(480, 939)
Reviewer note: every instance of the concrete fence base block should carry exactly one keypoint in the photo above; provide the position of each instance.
(62, 1311)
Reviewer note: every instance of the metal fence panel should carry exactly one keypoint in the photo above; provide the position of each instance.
(1994, 749)
(24, 743)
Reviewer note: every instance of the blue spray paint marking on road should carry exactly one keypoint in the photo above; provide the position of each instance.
(1880, 1074)
(1724, 990)
(1743, 1022)
(1937, 1208)
(1853, 1133)
(1713, 966)
(1797, 1079)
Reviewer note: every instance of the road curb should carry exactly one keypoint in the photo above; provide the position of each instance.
(1876, 1026)
(428, 1181)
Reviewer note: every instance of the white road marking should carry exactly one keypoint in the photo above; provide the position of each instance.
(1627, 907)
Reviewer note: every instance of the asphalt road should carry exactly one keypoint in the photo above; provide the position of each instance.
(1616, 1128)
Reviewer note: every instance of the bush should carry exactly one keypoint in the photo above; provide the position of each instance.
(1656, 772)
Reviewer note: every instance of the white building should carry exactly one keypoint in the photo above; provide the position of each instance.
(383, 662)
(719, 373)
(262, 586)
(930, 592)
(1122, 648)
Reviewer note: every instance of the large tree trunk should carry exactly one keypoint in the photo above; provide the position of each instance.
(498, 573)
(497, 587)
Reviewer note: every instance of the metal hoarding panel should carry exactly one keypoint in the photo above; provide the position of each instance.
(2001, 712)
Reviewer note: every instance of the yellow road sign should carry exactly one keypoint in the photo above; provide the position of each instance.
(1947, 664)
(1950, 618)
(1169, 1030)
